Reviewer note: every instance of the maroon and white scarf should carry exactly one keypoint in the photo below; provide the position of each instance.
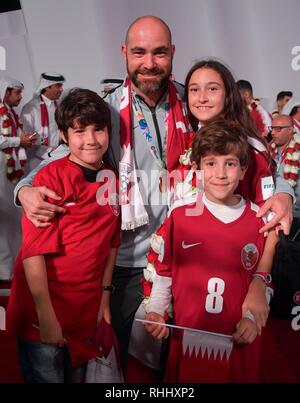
(296, 125)
(44, 122)
(133, 210)
(15, 156)
(290, 158)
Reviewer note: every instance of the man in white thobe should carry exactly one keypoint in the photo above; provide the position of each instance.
(38, 116)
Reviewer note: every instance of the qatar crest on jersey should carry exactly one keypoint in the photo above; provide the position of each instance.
(249, 256)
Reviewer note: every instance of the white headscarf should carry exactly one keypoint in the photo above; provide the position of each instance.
(287, 109)
(48, 79)
(8, 82)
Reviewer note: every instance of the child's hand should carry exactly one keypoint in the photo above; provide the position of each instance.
(50, 331)
(104, 310)
(157, 331)
(256, 302)
(104, 314)
(246, 331)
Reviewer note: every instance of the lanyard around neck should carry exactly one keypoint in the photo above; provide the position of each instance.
(143, 125)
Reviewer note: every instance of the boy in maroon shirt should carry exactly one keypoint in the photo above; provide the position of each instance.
(62, 280)
(209, 264)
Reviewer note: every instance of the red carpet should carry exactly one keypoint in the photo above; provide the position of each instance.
(9, 365)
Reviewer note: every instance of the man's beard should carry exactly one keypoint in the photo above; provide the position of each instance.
(148, 86)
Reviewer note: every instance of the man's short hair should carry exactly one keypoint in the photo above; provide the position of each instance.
(283, 116)
(244, 85)
(221, 138)
(283, 94)
(83, 107)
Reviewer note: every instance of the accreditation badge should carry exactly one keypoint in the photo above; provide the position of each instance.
(267, 187)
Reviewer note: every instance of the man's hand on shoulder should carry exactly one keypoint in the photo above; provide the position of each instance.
(281, 205)
(38, 211)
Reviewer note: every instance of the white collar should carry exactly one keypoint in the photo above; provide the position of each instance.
(224, 213)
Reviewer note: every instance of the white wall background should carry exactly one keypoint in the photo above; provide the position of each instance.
(81, 39)
(18, 58)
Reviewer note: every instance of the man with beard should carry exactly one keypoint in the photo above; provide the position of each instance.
(147, 102)
(149, 133)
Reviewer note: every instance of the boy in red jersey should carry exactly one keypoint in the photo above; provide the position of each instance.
(209, 265)
(62, 280)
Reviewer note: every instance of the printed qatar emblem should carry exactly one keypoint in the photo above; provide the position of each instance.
(296, 297)
(249, 256)
(114, 204)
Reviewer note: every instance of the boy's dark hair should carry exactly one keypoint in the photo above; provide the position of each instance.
(244, 85)
(84, 107)
(283, 94)
(221, 138)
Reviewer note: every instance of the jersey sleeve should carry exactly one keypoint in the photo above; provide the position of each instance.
(60, 152)
(39, 241)
(42, 241)
(116, 239)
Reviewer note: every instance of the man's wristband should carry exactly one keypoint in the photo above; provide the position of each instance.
(266, 277)
(110, 288)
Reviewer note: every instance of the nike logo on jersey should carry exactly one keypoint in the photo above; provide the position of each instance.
(189, 245)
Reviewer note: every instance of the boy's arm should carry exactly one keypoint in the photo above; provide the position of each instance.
(246, 331)
(36, 276)
(104, 310)
(32, 199)
(159, 301)
(256, 299)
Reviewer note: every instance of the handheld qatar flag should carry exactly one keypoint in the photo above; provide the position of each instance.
(213, 362)
(105, 368)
